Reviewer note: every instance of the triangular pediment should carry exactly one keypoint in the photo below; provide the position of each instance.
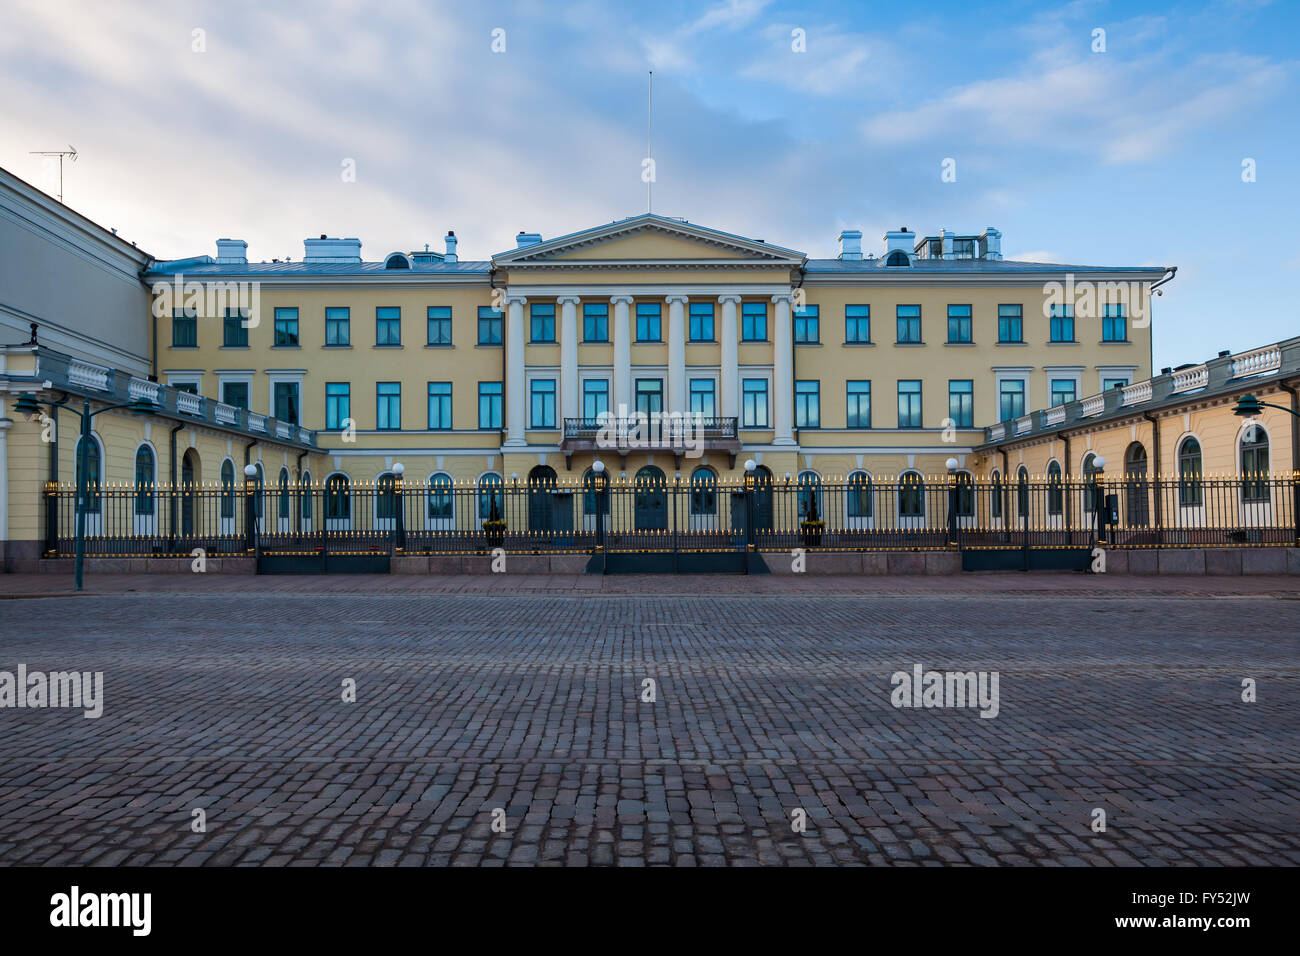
(649, 240)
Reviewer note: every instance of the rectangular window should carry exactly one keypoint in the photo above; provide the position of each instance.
(753, 322)
(338, 404)
(185, 329)
(1114, 324)
(489, 404)
(649, 395)
(1062, 323)
(439, 320)
(1011, 399)
(235, 393)
(1011, 323)
(440, 406)
(701, 322)
(542, 403)
(595, 322)
(808, 404)
(1108, 383)
(909, 403)
(234, 331)
(489, 326)
(286, 328)
(338, 326)
(754, 403)
(648, 317)
(1063, 391)
(388, 326)
(858, 404)
(857, 323)
(191, 387)
(541, 321)
(961, 402)
(807, 325)
(595, 398)
(388, 406)
(959, 330)
(909, 323)
(286, 401)
(703, 397)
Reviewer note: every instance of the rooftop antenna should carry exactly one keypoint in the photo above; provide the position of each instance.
(70, 152)
(649, 151)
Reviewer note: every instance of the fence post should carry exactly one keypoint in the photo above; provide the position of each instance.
(52, 500)
(250, 509)
(399, 490)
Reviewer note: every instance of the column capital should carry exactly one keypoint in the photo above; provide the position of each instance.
(787, 297)
(731, 297)
(677, 298)
(513, 299)
(568, 299)
(620, 299)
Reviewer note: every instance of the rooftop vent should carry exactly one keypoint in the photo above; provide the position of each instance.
(326, 250)
(526, 239)
(232, 251)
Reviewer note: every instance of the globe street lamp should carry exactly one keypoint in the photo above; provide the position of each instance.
(29, 406)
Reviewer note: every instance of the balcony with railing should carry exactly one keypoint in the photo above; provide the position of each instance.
(676, 433)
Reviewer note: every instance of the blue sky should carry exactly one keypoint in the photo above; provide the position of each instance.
(1132, 156)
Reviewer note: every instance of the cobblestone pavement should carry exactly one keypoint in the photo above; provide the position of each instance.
(767, 703)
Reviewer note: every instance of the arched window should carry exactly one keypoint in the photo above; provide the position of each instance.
(338, 497)
(386, 496)
(1191, 493)
(144, 480)
(1254, 463)
(965, 487)
(490, 502)
(93, 473)
(1137, 508)
(305, 491)
(911, 495)
(704, 491)
(397, 261)
(810, 496)
(441, 497)
(897, 258)
(995, 504)
(227, 489)
(282, 509)
(858, 504)
(1055, 492)
(1022, 492)
(1089, 482)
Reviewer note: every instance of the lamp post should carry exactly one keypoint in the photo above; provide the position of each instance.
(400, 504)
(952, 464)
(29, 406)
(600, 489)
(250, 508)
(1248, 406)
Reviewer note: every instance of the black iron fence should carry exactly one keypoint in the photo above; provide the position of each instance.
(854, 514)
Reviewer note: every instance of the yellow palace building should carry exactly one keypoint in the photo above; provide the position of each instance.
(667, 350)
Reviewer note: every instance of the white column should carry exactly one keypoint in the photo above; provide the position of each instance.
(782, 372)
(728, 380)
(622, 354)
(569, 401)
(515, 404)
(676, 353)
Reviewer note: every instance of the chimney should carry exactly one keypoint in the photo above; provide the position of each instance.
(899, 240)
(232, 252)
(945, 238)
(326, 250)
(851, 244)
(526, 239)
(990, 244)
(451, 247)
